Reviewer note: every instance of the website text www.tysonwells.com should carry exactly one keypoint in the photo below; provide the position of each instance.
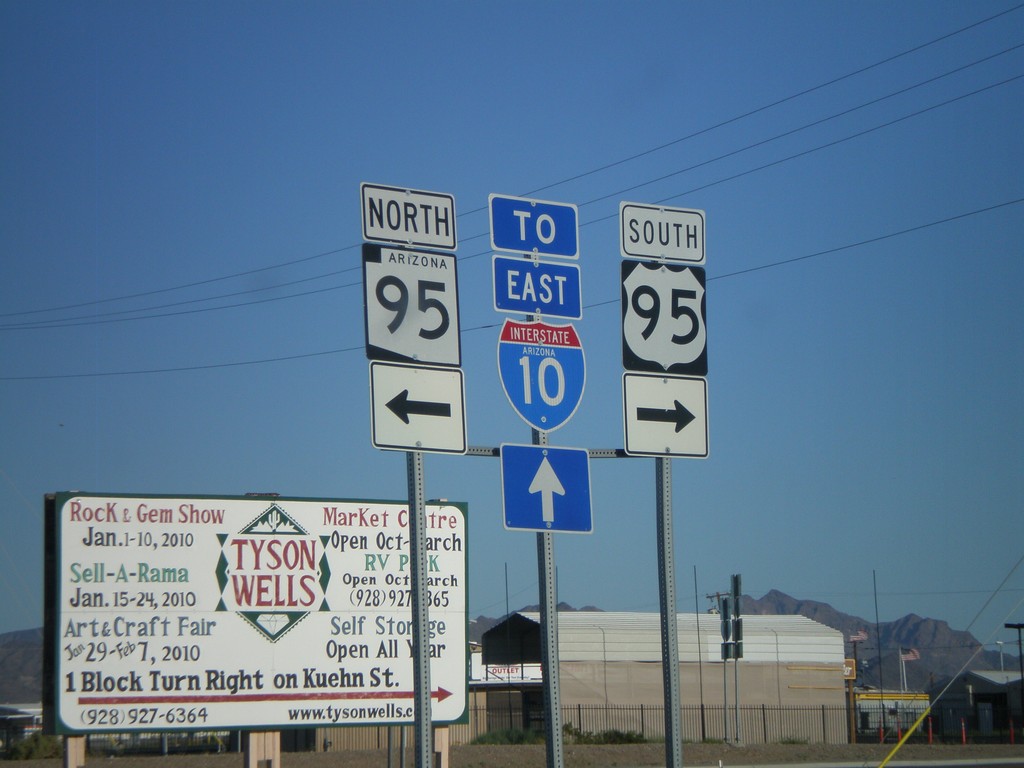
(334, 714)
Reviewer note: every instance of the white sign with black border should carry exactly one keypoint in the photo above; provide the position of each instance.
(665, 415)
(656, 232)
(664, 318)
(409, 217)
(417, 408)
(411, 306)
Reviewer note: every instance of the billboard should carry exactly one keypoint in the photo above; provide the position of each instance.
(209, 612)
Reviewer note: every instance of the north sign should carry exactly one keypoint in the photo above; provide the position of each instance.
(542, 371)
(417, 408)
(654, 232)
(665, 415)
(537, 227)
(534, 287)
(409, 217)
(411, 303)
(546, 489)
(664, 323)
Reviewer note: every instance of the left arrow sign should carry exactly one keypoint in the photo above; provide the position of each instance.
(402, 407)
(399, 394)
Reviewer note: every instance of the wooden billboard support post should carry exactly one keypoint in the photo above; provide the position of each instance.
(262, 749)
(442, 741)
(74, 751)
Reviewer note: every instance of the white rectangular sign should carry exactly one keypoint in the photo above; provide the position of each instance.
(408, 216)
(199, 613)
(665, 415)
(417, 408)
(411, 300)
(656, 232)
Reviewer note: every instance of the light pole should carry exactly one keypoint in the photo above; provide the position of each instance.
(1020, 660)
(1000, 644)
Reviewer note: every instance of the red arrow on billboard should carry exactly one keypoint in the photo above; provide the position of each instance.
(439, 695)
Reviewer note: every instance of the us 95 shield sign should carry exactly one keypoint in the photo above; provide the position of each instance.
(199, 613)
(664, 322)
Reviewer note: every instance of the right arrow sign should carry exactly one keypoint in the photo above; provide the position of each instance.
(665, 415)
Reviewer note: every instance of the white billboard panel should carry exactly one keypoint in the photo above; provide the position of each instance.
(200, 613)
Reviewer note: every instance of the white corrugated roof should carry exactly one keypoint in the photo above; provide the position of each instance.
(997, 677)
(614, 636)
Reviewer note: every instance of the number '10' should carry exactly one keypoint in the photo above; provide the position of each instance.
(546, 364)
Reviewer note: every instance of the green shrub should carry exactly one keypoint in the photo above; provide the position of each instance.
(510, 736)
(602, 737)
(35, 747)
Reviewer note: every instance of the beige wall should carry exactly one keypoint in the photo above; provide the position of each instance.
(620, 683)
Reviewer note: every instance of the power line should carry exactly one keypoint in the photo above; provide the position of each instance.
(323, 353)
(120, 316)
(818, 148)
(823, 120)
(644, 153)
(98, 319)
(779, 102)
(183, 286)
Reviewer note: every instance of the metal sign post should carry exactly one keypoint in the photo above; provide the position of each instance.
(669, 627)
(421, 633)
(664, 336)
(737, 640)
(414, 407)
(549, 640)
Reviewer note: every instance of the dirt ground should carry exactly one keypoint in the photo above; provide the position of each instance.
(587, 756)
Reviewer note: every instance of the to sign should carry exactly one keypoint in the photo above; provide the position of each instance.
(542, 371)
(663, 318)
(411, 305)
(408, 217)
(416, 408)
(546, 489)
(540, 227)
(665, 415)
(537, 287)
(651, 232)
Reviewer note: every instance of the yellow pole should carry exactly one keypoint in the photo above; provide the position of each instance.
(906, 736)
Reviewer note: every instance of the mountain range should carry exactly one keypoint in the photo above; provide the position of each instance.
(943, 650)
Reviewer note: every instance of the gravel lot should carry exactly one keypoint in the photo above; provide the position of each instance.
(579, 756)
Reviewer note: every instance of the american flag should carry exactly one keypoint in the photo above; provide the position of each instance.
(859, 636)
(910, 654)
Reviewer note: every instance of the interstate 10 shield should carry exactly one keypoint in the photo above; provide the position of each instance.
(542, 371)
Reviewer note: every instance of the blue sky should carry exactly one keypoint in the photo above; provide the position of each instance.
(181, 290)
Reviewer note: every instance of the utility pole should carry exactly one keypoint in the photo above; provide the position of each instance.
(1020, 661)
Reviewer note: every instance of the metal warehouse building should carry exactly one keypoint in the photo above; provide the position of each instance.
(611, 659)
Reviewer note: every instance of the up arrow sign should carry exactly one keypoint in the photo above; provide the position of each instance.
(544, 488)
(546, 483)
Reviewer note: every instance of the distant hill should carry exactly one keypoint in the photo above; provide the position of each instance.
(943, 650)
(21, 666)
